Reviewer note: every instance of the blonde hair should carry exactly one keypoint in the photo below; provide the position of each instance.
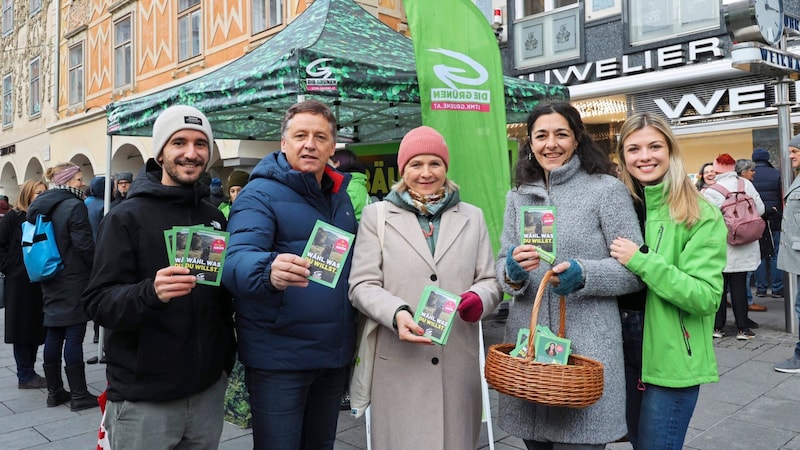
(681, 195)
(26, 193)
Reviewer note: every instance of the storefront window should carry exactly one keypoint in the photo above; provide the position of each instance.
(531, 7)
(656, 20)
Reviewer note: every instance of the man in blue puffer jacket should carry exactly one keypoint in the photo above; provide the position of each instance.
(296, 338)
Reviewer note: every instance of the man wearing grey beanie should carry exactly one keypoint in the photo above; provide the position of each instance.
(169, 343)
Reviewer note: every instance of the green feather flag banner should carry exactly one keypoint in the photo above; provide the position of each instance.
(462, 96)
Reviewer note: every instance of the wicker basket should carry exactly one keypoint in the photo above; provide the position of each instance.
(575, 385)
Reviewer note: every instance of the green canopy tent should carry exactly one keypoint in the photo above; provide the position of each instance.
(335, 52)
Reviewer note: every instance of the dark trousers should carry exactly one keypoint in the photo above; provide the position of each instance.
(632, 335)
(294, 409)
(736, 285)
(25, 357)
(70, 339)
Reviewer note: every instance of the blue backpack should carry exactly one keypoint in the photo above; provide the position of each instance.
(39, 250)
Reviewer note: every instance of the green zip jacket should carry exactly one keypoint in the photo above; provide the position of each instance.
(682, 268)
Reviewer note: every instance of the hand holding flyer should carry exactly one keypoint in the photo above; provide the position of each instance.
(435, 313)
(327, 250)
(199, 248)
(538, 227)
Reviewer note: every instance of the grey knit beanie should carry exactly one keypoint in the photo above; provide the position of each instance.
(795, 142)
(176, 118)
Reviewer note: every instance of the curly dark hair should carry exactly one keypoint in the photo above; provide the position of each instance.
(593, 158)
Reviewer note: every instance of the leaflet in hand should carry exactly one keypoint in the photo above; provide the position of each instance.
(538, 227)
(327, 250)
(199, 248)
(435, 313)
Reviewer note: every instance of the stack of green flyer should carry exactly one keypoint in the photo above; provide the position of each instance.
(327, 250)
(435, 313)
(521, 350)
(199, 248)
(538, 227)
(550, 348)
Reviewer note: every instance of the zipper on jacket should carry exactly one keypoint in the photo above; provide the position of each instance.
(685, 335)
(658, 238)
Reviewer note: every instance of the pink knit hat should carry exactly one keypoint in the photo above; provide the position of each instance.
(724, 163)
(422, 141)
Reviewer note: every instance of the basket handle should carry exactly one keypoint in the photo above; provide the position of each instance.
(562, 314)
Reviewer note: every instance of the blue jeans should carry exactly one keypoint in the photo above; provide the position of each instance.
(294, 409)
(665, 416)
(775, 274)
(632, 332)
(70, 339)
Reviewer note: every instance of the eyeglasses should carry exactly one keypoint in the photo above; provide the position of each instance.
(123, 182)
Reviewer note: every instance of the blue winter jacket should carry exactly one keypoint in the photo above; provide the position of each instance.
(298, 328)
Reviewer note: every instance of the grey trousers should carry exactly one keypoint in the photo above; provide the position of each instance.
(189, 423)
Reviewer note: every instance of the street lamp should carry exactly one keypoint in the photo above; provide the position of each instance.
(762, 25)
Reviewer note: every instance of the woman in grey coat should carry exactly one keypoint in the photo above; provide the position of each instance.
(560, 167)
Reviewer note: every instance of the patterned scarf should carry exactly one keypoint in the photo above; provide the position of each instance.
(427, 204)
(76, 192)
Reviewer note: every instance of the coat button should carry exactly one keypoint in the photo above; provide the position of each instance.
(434, 277)
(435, 361)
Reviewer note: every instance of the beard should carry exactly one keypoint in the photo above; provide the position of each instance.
(171, 168)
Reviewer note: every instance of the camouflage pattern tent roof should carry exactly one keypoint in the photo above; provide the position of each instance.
(335, 52)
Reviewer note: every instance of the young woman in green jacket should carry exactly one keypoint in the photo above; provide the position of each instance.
(681, 263)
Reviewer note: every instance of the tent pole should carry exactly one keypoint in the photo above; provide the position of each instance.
(106, 208)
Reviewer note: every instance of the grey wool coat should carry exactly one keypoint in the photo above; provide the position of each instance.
(591, 211)
(789, 252)
(423, 396)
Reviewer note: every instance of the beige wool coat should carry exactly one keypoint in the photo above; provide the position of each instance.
(423, 396)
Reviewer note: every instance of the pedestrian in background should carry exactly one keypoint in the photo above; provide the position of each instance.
(64, 316)
(296, 337)
(746, 169)
(237, 180)
(169, 341)
(5, 207)
(705, 177)
(122, 184)
(345, 160)
(560, 166)
(24, 318)
(789, 250)
(767, 181)
(681, 262)
(741, 258)
(430, 237)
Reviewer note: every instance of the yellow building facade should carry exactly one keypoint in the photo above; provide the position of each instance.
(90, 53)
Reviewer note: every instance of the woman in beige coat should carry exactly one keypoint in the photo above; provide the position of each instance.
(424, 395)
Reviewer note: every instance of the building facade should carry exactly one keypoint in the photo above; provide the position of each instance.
(66, 60)
(668, 57)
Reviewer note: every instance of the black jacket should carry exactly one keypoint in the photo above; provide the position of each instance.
(62, 294)
(767, 182)
(23, 299)
(156, 351)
